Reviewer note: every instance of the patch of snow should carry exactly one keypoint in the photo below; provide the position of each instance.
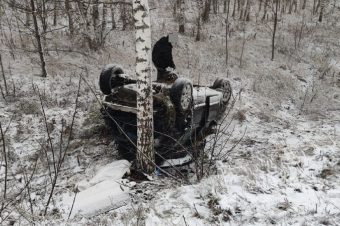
(105, 191)
(112, 171)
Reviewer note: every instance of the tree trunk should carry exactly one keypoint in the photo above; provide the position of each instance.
(295, 6)
(103, 26)
(69, 16)
(181, 28)
(55, 12)
(265, 10)
(260, 6)
(234, 9)
(123, 16)
(314, 6)
(226, 35)
(113, 21)
(3, 75)
(322, 8)
(44, 16)
(28, 15)
(242, 10)
(95, 15)
(38, 39)
(145, 142)
(215, 6)
(206, 11)
(274, 30)
(198, 34)
(247, 13)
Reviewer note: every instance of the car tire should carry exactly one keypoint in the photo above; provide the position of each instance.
(109, 78)
(224, 86)
(181, 95)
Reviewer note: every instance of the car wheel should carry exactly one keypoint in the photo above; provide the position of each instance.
(109, 78)
(181, 95)
(224, 86)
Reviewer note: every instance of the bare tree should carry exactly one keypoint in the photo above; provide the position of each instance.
(260, 6)
(248, 10)
(3, 74)
(28, 15)
(145, 142)
(38, 40)
(68, 9)
(315, 6)
(103, 25)
(275, 26)
(123, 16)
(234, 9)
(322, 8)
(198, 33)
(6, 168)
(181, 28)
(206, 11)
(226, 34)
(42, 14)
(55, 12)
(113, 21)
(265, 10)
(95, 21)
(215, 6)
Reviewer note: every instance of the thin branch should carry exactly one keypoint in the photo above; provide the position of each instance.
(6, 167)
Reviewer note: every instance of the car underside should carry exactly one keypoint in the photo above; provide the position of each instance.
(184, 114)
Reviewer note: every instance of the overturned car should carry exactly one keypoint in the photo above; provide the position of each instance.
(184, 114)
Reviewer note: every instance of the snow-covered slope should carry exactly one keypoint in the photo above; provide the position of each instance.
(284, 169)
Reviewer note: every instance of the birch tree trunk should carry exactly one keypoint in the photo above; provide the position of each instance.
(145, 143)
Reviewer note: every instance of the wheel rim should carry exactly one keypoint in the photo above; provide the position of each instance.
(226, 91)
(186, 97)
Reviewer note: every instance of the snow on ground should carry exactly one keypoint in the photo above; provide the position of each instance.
(284, 170)
(103, 192)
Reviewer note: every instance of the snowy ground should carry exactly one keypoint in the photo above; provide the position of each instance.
(285, 170)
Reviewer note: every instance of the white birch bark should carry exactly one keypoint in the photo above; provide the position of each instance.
(145, 143)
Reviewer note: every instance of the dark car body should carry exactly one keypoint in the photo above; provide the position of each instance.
(184, 114)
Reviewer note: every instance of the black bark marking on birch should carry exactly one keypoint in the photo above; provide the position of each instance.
(142, 27)
(140, 7)
(140, 60)
(146, 49)
(139, 39)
